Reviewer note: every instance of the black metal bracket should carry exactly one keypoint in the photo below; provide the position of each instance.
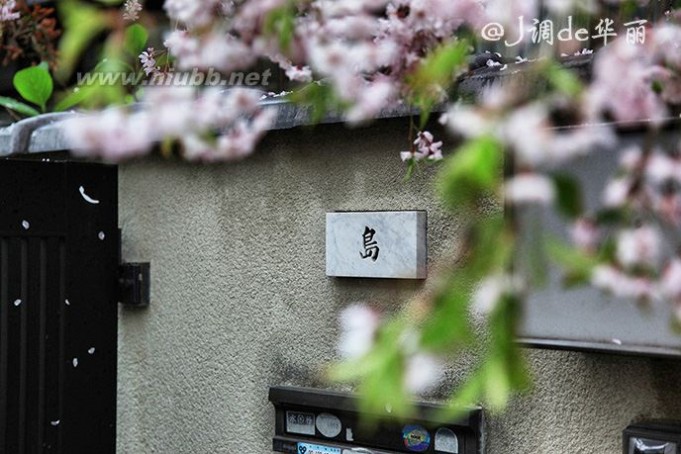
(134, 280)
(133, 284)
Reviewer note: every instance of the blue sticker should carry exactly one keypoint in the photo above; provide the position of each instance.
(416, 438)
(306, 448)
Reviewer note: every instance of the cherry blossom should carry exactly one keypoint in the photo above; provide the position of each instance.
(626, 93)
(528, 188)
(211, 126)
(358, 325)
(670, 283)
(113, 134)
(616, 193)
(639, 246)
(192, 13)
(492, 289)
(585, 234)
(8, 11)
(620, 284)
(425, 147)
(423, 373)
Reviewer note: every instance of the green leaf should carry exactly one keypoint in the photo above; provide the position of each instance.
(497, 384)
(280, 22)
(34, 85)
(530, 254)
(578, 265)
(564, 80)
(569, 201)
(136, 37)
(82, 23)
(438, 70)
(321, 98)
(72, 99)
(18, 106)
(612, 216)
(474, 171)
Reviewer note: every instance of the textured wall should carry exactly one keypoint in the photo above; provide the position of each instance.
(240, 301)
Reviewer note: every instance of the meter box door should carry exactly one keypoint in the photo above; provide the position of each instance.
(309, 421)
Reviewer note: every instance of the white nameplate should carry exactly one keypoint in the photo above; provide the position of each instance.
(382, 244)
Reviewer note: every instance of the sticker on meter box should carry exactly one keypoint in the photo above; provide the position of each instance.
(416, 438)
(306, 448)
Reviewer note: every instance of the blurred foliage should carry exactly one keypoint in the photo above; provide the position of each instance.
(32, 38)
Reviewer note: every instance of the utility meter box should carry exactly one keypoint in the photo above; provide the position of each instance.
(310, 421)
(655, 437)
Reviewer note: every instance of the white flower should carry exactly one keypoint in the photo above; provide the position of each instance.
(7, 11)
(631, 158)
(112, 134)
(616, 193)
(585, 234)
(423, 373)
(527, 131)
(425, 147)
(490, 291)
(358, 325)
(529, 188)
(299, 73)
(371, 100)
(467, 121)
(612, 280)
(622, 84)
(148, 61)
(660, 168)
(639, 246)
(670, 283)
(131, 10)
(192, 13)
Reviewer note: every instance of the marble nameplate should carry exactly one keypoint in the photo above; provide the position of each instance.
(382, 244)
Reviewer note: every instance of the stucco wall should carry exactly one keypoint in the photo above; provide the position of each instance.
(240, 301)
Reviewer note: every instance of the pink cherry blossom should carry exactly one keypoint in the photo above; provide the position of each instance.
(192, 13)
(585, 234)
(639, 246)
(113, 134)
(425, 147)
(670, 283)
(8, 11)
(616, 193)
(661, 168)
(619, 284)
(631, 158)
(623, 74)
(211, 126)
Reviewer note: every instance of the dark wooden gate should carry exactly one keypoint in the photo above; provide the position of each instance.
(58, 308)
